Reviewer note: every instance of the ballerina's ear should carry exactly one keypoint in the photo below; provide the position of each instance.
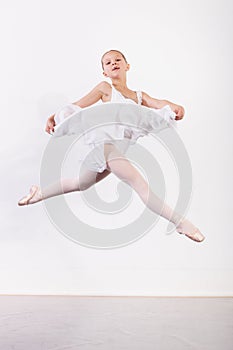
(128, 67)
(105, 74)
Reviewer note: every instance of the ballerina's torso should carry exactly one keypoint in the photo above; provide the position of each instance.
(110, 94)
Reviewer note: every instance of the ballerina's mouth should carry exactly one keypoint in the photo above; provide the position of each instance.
(115, 68)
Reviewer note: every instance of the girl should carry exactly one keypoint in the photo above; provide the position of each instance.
(109, 158)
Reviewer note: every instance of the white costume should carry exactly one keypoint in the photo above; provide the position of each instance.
(120, 122)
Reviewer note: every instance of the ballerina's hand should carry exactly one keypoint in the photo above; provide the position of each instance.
(179, 110)
(50, 124)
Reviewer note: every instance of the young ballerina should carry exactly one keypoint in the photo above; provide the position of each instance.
(109, 158)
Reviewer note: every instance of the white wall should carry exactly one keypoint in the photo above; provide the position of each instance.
(178, 50)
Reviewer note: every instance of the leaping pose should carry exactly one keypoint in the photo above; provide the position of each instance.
(108, 158)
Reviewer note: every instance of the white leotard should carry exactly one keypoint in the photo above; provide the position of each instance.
(117, 97)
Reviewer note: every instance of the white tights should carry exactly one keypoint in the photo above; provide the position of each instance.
(119, 165)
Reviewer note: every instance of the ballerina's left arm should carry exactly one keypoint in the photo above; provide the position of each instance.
(151, 102)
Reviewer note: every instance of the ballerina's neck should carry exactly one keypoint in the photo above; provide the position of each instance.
(119, 84)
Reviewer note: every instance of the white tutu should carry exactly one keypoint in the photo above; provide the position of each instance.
(118, 123)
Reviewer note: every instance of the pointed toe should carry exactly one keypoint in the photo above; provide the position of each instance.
(26, 199)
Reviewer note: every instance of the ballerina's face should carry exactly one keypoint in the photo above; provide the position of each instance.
(114, 65)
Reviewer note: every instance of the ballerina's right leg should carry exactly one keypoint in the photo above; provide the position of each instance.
(86, 179)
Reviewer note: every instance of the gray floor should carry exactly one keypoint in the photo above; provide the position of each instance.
(88, 323)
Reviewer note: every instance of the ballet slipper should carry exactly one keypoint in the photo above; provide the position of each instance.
(26, 200)
(189, 230)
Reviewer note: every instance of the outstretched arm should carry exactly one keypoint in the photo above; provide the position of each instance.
(92, 97)
(151, 102)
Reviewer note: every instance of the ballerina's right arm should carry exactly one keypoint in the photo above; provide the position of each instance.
(92, 97)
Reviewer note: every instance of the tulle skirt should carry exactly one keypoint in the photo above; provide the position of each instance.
(120, 124)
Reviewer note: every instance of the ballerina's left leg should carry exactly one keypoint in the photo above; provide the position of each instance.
(119, 165)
